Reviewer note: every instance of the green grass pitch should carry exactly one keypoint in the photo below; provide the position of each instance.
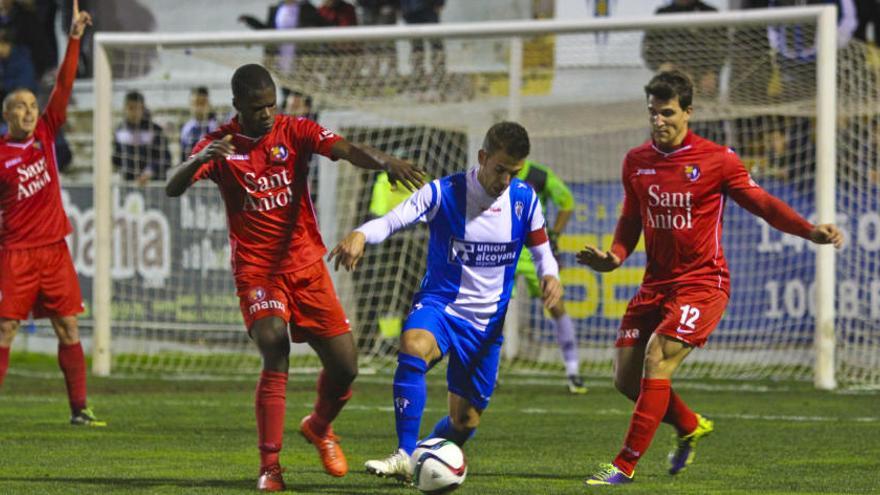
(199, 437)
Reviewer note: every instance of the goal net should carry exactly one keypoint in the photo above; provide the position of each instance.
(428, 94)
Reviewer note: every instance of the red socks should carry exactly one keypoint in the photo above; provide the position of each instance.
(4, 362)
(679, 415)
(73, 365)
(271, 400)
(331, 400)
(650, 409)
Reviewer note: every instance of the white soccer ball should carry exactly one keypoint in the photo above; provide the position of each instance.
(440, 466)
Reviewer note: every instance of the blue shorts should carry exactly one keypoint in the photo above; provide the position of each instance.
(473, 354)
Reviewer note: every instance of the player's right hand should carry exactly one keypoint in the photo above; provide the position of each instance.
(349, 251)
(220, 148)
(601, 261)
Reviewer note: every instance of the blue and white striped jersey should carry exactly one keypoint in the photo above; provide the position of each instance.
(474, 244)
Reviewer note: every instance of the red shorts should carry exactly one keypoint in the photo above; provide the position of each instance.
(41, 280)
(688, 314)
(304, 298)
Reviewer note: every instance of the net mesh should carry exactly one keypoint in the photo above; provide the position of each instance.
(430, 101)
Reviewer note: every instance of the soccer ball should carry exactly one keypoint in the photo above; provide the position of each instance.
(440, 466)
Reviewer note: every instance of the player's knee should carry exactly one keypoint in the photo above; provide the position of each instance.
(344, 374)
(67, 331)
(8, 329)
(416, 344)
(272, 339)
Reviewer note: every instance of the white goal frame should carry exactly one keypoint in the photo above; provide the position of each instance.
(824, 17)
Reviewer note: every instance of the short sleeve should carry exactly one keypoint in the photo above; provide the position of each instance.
(315, 137)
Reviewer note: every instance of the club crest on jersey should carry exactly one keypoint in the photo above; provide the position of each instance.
(518, 209)
(279, 153)
(257, 295)
(692, 172)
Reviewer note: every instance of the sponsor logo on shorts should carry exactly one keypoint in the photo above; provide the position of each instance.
(257, 294)
(684, 330)
(628, 333)
(646, 171)
(270, 304)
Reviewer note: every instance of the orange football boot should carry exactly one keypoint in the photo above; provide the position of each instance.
(328, 448)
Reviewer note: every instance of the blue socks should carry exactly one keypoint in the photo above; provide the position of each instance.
(444, 429)
(409, 399)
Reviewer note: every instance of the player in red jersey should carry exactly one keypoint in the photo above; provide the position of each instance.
(675, 189)
(36, 272)
(260, 162)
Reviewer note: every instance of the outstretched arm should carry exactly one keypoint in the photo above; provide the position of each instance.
(180, 177)
(773, 210)
(56, 109)
(364, 156)
(421, 204)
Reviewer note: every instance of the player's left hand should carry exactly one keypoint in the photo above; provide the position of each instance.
(551, 290)
(349, 251)
(404, 172)
(827, 233)
(79, 21)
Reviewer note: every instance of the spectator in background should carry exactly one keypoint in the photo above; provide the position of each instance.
(202, 121)
(380, 13)
(299, 105)
(20, 18)
(16, 68)
(338, 13)
(140, 149)
(286, 14)
(665, 50)
(868, 12)
(425, 12)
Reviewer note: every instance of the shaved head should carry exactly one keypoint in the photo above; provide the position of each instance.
(249, 79)
(14, 96)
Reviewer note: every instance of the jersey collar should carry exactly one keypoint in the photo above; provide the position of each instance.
(686, 144)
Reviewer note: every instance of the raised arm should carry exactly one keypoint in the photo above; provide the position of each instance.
(56, 109)
(421, 205)
(180, 177)
(367, 157)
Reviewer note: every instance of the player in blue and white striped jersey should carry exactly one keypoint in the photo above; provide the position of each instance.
(479, 221)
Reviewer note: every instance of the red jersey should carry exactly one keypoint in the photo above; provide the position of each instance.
(31, 213)
(677, 198)
(272, 224)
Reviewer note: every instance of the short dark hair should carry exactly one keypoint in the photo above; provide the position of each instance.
(669, 84)
(199, 91)
(250, 78)
(508, 136)
(134, 96)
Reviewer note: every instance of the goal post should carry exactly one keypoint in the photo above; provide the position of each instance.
(488, 76)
